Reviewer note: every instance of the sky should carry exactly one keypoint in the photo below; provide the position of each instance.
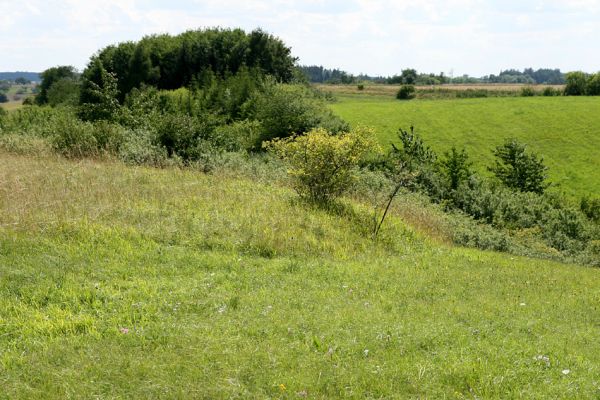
(377, 37)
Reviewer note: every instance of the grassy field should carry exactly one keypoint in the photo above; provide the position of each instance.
(121, 282)
(15, 98)
(565, 130)
(391, 90)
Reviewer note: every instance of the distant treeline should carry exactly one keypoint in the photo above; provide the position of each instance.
(319, 74)
(13, 76)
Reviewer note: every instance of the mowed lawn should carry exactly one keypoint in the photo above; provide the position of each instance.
(119, 282)
(565, 130)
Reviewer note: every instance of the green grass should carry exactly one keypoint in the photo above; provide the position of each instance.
(565, 130)
(120, 282)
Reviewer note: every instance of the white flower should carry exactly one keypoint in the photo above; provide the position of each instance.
(566, 371)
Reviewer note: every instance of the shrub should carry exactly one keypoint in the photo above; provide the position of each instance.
(74, 139)
(139, 148)
(550, 91)
(593, 85)
(591, 208)
(527, 91)
(455, 166)
(576, 84)
(323, 165)
(241, 135)
(406, 92)
(519, 170)
(361, 87)
(472, 93)
(284, 110)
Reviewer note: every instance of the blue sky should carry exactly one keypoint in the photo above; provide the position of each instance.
(473, 37)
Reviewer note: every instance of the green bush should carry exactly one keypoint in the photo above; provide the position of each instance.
(519, 170)
(406, 92)
(527, 91)
(550, 91)
(74, 139)
(284, 110)
(576, 84)
(323, 165)
(591, 208)
(593, 85)
(139, 148)
(472, 93)
(360, 87)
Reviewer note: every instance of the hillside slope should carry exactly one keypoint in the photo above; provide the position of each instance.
(143, 283)
(564, 130)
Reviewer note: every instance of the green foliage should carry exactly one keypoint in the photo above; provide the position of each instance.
(77, 139)
(360, 87)
(50, 77)
(576, 84)
(3, 98)
(98, 96)
(518, 170)
(456, 167)
(170, 62)
(321, 164)
(65, 91)
(593, 85)
(550, 91)
(527, 91)
(284, 110)
(140, 148)
(473, 93)
(591, 208)
(406, 92)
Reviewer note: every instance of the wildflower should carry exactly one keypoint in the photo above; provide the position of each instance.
(124, 331)
(282, 387)
(566, 371)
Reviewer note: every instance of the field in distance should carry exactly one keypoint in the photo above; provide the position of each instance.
(131, 282)
(564, 130)
(391, 90)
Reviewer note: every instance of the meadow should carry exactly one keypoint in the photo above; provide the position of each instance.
(136, 282)
(564, 130)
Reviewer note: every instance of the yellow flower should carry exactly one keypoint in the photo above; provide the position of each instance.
(282, 387)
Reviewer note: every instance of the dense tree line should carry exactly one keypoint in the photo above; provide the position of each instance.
(191, 58)
(409, 76)
(528, 76)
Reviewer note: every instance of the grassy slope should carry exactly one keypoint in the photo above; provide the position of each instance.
(565, 130)
(228, 290)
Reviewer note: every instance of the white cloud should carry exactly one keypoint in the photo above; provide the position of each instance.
(371, 36)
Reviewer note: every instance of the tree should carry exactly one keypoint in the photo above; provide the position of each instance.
(3, 98)
(49, 77)
(98, 96)
(64, 91)
(141, 69)
(576, 84)
(22, 81)
(409, 76)
(593, 85)
(519, 170)
(456, 167)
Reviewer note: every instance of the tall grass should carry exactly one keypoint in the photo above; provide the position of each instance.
(133, 282)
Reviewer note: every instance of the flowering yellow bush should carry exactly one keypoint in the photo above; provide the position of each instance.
(323, 165)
